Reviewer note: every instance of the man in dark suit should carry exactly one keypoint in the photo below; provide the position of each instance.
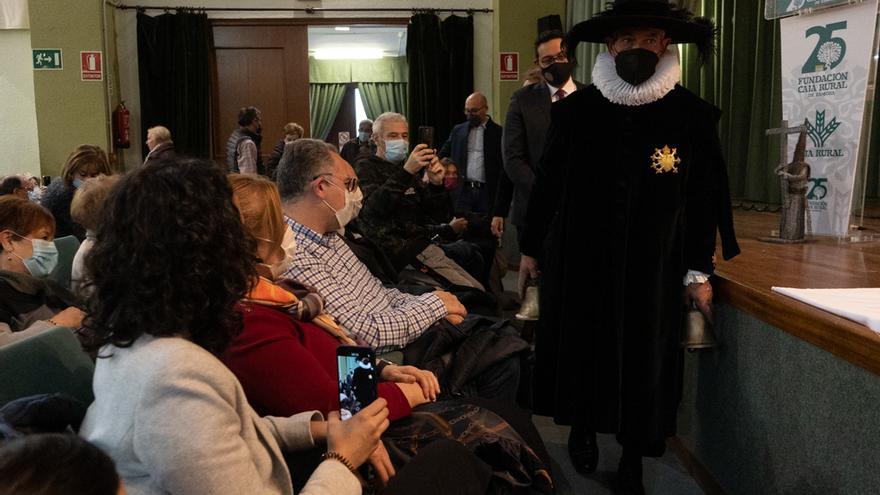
(528, 116)
(475, 148)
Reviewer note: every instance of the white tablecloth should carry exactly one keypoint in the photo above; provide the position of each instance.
(859, 305)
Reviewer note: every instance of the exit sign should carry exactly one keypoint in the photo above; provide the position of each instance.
(47, 59)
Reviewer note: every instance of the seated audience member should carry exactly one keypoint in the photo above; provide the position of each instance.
(28, 299)
(290, 339)
(56, 464)
(292, 132)
(166, 410)
(34, 189)
(402, 213)
(84, 162)
(320, 195)
(160, 145)
(14, 185)
(88, 202)
(360, 146)
(288, 336)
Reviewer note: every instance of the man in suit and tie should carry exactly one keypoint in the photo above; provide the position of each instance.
(475, 148)
(528, 116)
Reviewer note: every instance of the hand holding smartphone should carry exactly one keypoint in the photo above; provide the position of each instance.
(357, 377)
(426, 135)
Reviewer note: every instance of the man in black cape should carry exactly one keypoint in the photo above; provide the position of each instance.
(628, 197)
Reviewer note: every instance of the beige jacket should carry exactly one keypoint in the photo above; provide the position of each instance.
(176, 420)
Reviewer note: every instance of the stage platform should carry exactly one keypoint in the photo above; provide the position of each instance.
(787, 402)
(821, 262)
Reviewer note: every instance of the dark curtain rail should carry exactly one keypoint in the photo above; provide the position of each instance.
(308, 10)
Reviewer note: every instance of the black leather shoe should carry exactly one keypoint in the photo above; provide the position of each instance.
(583, 450)
(629, 476)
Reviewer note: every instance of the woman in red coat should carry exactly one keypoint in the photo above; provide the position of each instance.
(286, 356)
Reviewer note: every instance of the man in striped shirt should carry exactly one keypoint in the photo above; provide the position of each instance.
(320, 195)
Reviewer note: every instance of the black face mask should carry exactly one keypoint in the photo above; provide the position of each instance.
(635, 66)
(474, 120)
(557, 73)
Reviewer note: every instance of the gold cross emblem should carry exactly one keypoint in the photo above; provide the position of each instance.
(664, 160)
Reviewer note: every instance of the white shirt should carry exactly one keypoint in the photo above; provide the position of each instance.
(569, 87)
(476, 171)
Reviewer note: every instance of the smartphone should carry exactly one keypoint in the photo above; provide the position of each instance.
(356, 371)
(426, 135)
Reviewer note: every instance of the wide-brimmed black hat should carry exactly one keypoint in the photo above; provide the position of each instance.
(678, 23)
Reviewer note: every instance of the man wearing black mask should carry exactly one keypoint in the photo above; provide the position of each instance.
(634, 158)
(528, 115)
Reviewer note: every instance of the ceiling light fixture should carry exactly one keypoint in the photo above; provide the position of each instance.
(342, 28)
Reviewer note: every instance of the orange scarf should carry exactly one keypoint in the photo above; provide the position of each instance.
(267, 293)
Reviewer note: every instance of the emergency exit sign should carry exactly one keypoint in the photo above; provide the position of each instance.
(47, 59)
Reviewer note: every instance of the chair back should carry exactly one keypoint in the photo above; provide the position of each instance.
(45, 362)
(67, 248)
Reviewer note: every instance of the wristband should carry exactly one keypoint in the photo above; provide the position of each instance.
(336, 456)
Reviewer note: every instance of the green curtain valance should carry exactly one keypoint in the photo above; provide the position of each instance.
(384, 70)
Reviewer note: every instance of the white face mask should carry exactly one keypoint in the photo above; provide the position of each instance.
(353, 204)
(288, 245)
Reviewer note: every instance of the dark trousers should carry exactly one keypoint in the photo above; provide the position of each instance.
(443, 467)
(499, 381)
(472, 199)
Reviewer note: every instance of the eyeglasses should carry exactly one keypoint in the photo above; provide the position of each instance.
(549, 59)
(351, 183)
(471, 111)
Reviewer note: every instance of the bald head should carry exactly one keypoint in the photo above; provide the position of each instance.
(476, 108)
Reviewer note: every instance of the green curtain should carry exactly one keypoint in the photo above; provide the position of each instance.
(577, 11)
(743, 79)
(324, 103)
(388, 69)
(379, 98)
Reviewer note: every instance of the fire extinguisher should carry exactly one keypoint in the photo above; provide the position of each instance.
(121, 126)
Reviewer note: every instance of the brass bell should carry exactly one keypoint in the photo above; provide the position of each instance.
(529, 310)
(697, 331)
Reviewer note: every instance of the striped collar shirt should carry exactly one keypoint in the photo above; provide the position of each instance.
(381, 317)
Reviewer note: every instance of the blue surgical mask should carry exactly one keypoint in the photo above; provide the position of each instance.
(395, 150)
(363, 136)
(78, 183)
(43, 260)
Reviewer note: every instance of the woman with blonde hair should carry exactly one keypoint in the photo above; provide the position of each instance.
(292, 132)
(86, 209)
(84, 162)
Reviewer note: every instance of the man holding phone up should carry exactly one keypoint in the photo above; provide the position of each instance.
(403, 214)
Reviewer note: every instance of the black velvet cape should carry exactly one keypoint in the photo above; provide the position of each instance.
(614, 238)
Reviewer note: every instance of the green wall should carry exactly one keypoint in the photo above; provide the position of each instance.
(69, 111)
(515, 31)
(768, 413)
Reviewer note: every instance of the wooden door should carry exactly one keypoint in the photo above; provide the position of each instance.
(261, 64)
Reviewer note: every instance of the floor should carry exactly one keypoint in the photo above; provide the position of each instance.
(662, 476)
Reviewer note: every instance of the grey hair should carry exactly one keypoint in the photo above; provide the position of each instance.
(302, 161)
(379, 123)
(160, 133)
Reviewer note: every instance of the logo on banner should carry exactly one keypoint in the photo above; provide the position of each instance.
(818, 191)
(827, 54)
(819, 131)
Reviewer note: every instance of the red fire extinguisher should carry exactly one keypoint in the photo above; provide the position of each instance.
(121, 126)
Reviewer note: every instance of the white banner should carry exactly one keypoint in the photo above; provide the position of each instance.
(825, 61)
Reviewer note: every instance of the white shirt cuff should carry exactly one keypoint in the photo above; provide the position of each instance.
(695, 277)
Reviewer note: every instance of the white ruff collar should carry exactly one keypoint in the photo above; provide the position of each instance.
(667, 74)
